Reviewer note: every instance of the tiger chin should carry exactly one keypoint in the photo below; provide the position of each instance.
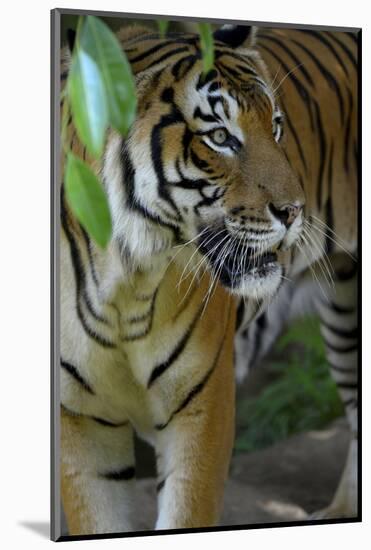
(200, 182)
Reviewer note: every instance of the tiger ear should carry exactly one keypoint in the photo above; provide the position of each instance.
(236, 36)
(71, 38)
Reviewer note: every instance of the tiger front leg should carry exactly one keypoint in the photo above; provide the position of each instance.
(97, 475)
(193, 454)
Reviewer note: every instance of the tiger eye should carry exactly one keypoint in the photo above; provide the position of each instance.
(219, 136)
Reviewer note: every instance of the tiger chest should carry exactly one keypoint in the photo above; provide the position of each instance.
(114, 374)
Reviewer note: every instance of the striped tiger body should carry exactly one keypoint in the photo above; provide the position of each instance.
(319, 98)
(206, 208)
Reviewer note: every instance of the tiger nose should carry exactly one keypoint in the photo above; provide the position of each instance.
(286, 214)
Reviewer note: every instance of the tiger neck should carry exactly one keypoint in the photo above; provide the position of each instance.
(117, 271)
(169, 275)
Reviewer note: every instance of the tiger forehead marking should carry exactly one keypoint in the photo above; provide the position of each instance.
(203, 159)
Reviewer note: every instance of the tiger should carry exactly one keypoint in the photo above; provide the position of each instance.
(319, 99)
(207, 206)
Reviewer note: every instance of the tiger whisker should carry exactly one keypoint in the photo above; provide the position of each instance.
(181, 279)
(182, 245)
(203, 261)
(335, 239)
(220, 260)
(286, 75)
(300, 246)
(322, 263)
(215, 275)
(275, 76)
(312, 245)
(325, 257)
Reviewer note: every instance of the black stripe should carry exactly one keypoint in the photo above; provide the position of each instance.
(240, 314)
(329, 241)
(183, 66)
(341, 349)
(91, 309)
(206, 118)
(147, 330)
(346, 275)
(327, 75)
(174, 117)
(344, 333)
(138, 318)
(120, 475)
(90, 256)
(77, 376)
(146, 315)
(347, 385)
(347, 131)
(79, 275)
(162, 367)
(132, 200)
(223, 51)
(167, 55)
(344, 370)
(353, 36)
(301, 89)
(196, 389)
(205, 79)
(209, 201)
(186, 142)
(322, 154)
(342, 309)
(288, 52)
(344, 48)
(109, 424)
(295, 137)
(236, 75)
(70, 412)
(149, 52)
(320, 36)
(98, 339)
(160, 485)
(246, 69)
(101, 421)
(200, 163)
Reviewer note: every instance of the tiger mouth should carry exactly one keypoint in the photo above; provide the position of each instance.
(231, 260)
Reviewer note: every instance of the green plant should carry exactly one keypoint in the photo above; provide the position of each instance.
(100, 92)
(207, 46)
(302, 397)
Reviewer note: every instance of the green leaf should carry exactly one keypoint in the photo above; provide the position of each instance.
(88, 102)
(207, 46)
(98, 41)
(163, 25)
(88, 200)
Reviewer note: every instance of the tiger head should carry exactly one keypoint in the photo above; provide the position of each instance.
(203, 161)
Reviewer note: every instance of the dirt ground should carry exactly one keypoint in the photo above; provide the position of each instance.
(284, 482)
